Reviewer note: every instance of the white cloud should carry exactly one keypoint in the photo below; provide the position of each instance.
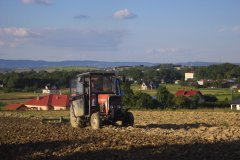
(235, 29)
(84, 40)
(12, 37)
(44, 2)
(17, 32)
(124, 14)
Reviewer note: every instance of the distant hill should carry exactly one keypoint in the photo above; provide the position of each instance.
(197, 63)
(201, 63)
(31, 64)
(20, 64)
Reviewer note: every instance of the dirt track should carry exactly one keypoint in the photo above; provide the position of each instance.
(156, 135)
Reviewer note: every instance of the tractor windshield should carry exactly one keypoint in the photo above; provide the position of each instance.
(100, 83)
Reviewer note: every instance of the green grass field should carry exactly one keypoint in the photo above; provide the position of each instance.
(16, 97)
(220, 93)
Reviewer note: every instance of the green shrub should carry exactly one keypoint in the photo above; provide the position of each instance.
(218, 104)
(144, 100)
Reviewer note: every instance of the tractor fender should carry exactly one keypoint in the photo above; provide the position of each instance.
(126, 109)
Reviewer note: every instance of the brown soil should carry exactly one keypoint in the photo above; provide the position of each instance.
(156, 135)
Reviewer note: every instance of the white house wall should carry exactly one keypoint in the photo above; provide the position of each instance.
(59, 108)
(38, 107)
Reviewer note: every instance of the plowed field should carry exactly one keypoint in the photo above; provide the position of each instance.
(156, 135)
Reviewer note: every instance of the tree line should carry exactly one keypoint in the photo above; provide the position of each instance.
(169, 73)
(33, 81)
(139, 74)
(218, 72)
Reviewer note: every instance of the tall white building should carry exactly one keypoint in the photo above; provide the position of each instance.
(189, 75)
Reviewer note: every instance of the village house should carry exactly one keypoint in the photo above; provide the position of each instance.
(236, 88)
(151, 85)
(178, 68)
(49, 90)
(145, 86)
(177, 81)
(191, 94)
(201, 82)
(48, 102)
(235, 104)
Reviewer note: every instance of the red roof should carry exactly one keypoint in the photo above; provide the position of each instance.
(14, 106)
(50, 100)
(180, 92)
(188, 93)
(38, 101)
(59, 100)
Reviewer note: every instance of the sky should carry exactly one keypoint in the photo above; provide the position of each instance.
(159, 31)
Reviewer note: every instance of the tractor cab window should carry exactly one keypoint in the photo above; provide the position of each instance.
(101, 83)
(76, 87)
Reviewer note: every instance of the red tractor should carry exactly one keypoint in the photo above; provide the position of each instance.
(97, 100)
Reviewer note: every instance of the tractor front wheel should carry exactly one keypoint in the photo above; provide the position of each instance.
(128, 119)
(76, 122)
(95, 121)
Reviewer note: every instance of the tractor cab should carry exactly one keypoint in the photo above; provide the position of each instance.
(96, 97)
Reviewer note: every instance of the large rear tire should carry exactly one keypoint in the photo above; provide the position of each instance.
(95, 121)
(128, 120)
(76, 122)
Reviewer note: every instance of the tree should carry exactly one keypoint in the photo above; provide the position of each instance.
(128, 97)
(134, 73)
(151, 75)
(195, 101)
(164, 97)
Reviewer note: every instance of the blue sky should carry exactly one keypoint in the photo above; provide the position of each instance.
(162, 31)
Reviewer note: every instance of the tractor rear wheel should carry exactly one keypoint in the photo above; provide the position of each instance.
(95, 121)
(128, 120)
(76, 122)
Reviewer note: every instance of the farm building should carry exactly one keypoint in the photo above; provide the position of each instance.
(191, 93)
(235, 104)
(16, 107)
(51, 101)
